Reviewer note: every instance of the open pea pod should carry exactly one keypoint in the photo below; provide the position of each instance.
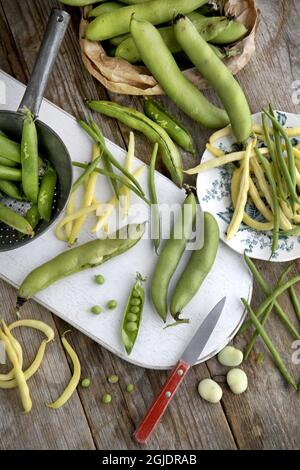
(133, 314)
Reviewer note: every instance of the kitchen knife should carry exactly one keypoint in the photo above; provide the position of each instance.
(188, 359)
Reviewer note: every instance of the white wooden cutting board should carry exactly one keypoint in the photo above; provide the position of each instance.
(72, 298)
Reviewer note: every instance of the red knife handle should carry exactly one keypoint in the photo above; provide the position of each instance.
(159, 405)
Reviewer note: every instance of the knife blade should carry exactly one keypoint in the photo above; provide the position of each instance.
(189, 357)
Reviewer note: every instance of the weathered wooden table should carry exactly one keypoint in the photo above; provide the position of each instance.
(268, 415)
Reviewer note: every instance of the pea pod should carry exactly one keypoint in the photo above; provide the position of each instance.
(155, 133)
(235, 31)
(198, 267)
(86, 256)
(10, 189)
(207, 27)
(218, 76)
(10, 174)
(15, 221)
(175, 129)
(182, 92)
(157, 11)
(6, 162)
(9, 149)
(171, 254)
(132, 319)
(105, 8)
(33, 216)
(29, 158)
(46, 193)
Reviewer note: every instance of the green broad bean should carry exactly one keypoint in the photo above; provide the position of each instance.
(105, 8)
(112, 304)
(116, 41)
(157, 11)
(181, 91)
(207, 27)
(9, 149)
(197, 268)
(138, 121)
(131, 322)
(80, 3)
(86, 256)
(174, 128)
(29, 158)
(235, 31)
(10, 189)
(10, 174)
(171, 254)
(217, 75)
(15, 221)
(46, 194)
(33, 216)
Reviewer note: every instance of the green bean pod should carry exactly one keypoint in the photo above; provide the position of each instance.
(155, 214)
(234, 32)
(197, 268)
(86, 256)
(33, 216)
(10, 189)
(207, 27)
(217, 75)
(105, 8)
(164, 68)
(138, 121)
(10, 174)
(9, 149)
(132, 316)
(30, 158)
(46, 193)
(6, 162)
(15, 221)
(157, 11)
(174, 128)
(171, 254)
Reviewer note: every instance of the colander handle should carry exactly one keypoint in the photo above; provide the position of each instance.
(53, 37)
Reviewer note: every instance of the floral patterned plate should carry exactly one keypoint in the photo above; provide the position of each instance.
(213, 189)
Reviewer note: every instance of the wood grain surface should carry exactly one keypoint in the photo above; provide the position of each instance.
(268, 415)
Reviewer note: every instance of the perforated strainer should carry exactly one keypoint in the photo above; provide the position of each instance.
(51, 147)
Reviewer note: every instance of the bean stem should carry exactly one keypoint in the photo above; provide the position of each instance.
(269, 344)
(121, 179)
(267, 291)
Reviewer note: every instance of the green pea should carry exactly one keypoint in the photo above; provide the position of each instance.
(100, 279)
(85, 383)
(131, 326)
(134, 309)
(106, 398)
(135, 294)
(131, 317)
(112, 304)
(96, 309)
(135, 302)
(113, 379)
(130, 388)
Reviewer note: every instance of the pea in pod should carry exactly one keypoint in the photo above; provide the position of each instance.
(15, 221)
(33, 216)
(86, 256)
(217, 75)
(207, 27)
(197, 268)
(46, 193)
(10, 174)
(166, 71)
(155, 133)
(157, 11)
(133, 314)
(171, 254)
(10, 189)
(30, 158)
(174, 128)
